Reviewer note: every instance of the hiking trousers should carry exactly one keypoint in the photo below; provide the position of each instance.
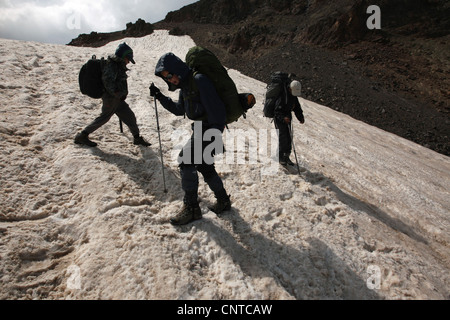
(111, 106)
(284, 138)
(190, 166)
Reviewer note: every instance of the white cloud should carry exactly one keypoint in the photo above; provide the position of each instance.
(61, 21)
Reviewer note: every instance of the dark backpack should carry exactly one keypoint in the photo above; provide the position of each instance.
(203, 61)
(90, 78)
(276, 89)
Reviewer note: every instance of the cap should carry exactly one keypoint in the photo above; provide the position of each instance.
(124, 51)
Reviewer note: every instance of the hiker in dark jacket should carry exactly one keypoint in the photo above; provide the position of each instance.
(115, 93)
(208, 111)
(283, 119)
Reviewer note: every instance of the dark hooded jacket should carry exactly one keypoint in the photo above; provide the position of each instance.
(285, 105)
(198, 98)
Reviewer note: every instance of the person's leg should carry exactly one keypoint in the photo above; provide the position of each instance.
(189, 183)
(215, 183)
(128, 117)
(108, 109)
(285, 143)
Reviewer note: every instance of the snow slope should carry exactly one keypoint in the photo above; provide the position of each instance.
(367, 218)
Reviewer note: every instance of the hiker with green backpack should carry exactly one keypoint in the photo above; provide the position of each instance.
(200, 102)
(107, 79)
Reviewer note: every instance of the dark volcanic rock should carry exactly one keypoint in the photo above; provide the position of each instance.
(393, 78)
(95, 39)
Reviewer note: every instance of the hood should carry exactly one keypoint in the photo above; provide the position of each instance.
(173, 65)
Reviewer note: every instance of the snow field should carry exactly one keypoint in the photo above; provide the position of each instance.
(80, 223)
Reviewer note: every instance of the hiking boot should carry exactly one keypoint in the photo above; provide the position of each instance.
(223, 204)
(140, 141)
(188, 214)
(284, 161)
(82, 138)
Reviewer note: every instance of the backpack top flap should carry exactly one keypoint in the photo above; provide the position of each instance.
(280, 77)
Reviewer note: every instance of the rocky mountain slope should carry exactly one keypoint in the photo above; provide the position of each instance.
(394, 78)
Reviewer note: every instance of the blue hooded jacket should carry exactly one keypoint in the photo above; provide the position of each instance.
(206, 105)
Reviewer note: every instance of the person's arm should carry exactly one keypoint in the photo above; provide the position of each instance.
(177, 108)
(298, 111)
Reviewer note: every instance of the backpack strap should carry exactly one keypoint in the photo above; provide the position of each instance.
(193, 94)
(192, 87)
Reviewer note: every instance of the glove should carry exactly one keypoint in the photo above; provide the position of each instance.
(300, 117)
(154, 91)
(218, 141)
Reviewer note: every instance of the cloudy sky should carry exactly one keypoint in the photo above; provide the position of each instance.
(59, 21)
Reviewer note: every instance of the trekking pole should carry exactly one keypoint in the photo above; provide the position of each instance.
(291, 131)
(160, 147)
(121, 126)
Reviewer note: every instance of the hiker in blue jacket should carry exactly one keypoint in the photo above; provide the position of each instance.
(199, 101)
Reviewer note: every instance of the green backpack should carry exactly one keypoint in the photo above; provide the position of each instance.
(203, 61)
